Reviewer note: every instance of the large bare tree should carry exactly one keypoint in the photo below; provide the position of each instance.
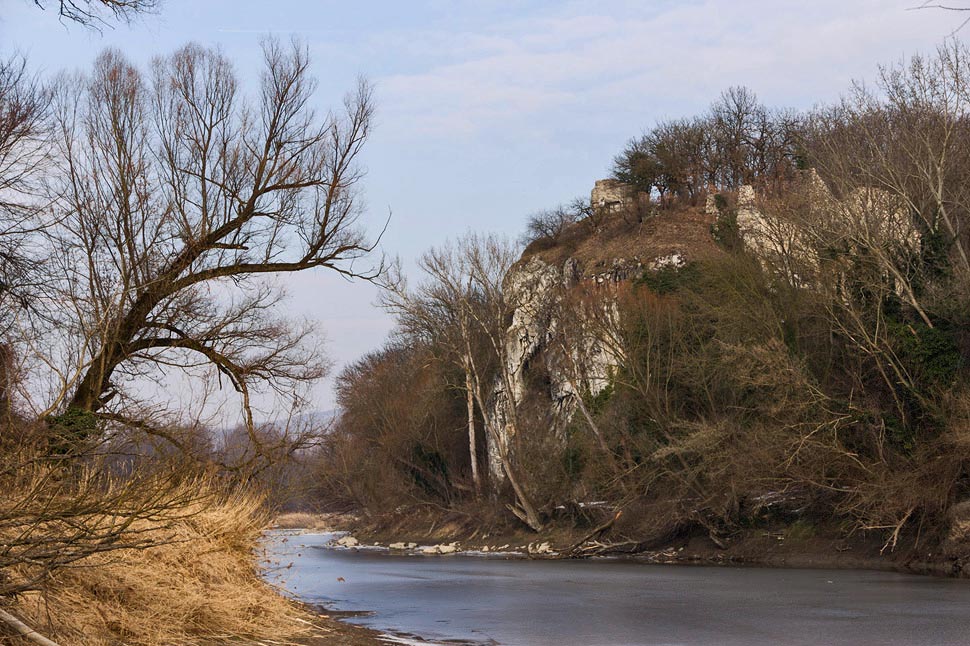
(175, 199)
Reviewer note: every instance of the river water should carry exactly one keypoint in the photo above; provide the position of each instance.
(475, 600)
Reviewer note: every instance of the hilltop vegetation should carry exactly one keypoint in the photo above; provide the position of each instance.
(703, 357)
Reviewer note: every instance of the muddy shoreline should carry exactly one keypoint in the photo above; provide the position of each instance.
(330, 630)
(761, 547)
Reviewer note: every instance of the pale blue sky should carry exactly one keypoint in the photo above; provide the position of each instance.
(490, 110)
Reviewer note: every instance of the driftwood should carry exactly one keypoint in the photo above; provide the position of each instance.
(593, 545)
(595, 533)
(597, 548)
(24, 630)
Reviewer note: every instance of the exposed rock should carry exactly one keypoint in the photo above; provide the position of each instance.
(533, 287)
(446, 548)
(347, 541)
(402, 546)
(537, 288)
(710, 205)
(618, 270)
(610, 195)
(566, 347)
(540, 548)
(674, 260)
(785, 244)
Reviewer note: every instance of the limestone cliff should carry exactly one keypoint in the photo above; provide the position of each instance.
(548, 334)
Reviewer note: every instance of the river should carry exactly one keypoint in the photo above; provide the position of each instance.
(476, 600)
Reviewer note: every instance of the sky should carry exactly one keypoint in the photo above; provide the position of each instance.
(490, 110)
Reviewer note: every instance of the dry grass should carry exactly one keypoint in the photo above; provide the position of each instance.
(199, 586)
(304, 520)
(684, 230)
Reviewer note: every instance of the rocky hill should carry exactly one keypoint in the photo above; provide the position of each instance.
(623, 238)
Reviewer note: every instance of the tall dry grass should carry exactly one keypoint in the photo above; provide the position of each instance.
(198, 585)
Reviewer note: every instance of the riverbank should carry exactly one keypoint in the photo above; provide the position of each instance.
(191, 580)
(794, 545)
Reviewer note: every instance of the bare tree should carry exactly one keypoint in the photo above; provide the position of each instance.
(737, 141)
(486, 261)
(95, 13)
(23, 156)
(549, 224)
(898, 163)
(175, 197)
(466, 293)
(437, 311)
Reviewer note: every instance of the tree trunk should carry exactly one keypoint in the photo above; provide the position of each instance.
(472, 435)
(523, 509)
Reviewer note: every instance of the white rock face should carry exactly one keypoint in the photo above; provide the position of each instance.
(347, 541)
(784, 244)
(533, 288)
(535, 333)
(710, 205)
(402, 546)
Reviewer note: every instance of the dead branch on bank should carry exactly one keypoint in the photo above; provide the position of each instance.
(24, 630)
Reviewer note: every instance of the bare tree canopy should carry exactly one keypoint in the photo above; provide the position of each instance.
(737, 141)
(94, 13)
(549, 224)
(23, 140)
(930, 4)
(175, 198)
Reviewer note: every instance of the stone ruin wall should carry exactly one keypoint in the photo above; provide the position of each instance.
(611, 195)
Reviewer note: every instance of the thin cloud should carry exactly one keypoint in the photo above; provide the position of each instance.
(547, 67)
